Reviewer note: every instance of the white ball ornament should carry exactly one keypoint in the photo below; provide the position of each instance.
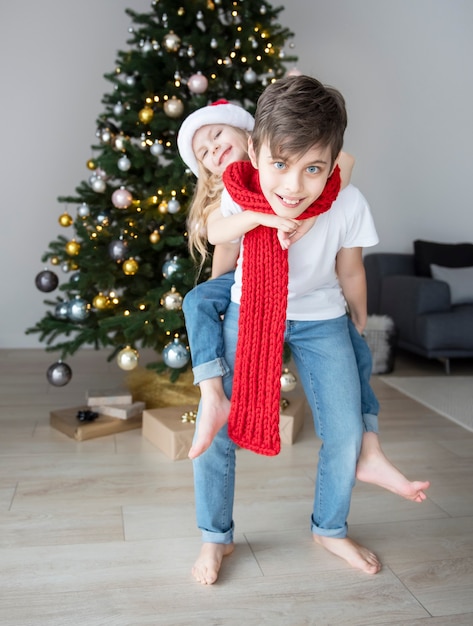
(288, 381)
(121, 198)
(127, 358)
(174, 107)
(250, 76)
(157, 149)
(198, 83)
(174, 206)
(98, 184)
(83, 210)
(124, 163)
(118, 109)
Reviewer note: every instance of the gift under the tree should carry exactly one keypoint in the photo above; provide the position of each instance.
(121, 411)
(171, 429)
(81, 423)
(291, 418)
(101, 397)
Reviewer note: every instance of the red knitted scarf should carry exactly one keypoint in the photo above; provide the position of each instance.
(254, 417)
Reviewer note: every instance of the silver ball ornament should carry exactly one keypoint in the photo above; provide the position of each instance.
(118, 250)
(98, 184)
(172, 300)
(176, 355)
(250, 76)
(78, 310)
(61, 311)
(288, 381)
(59, 374)
(170, 267)
(46, 281)
(173, 107)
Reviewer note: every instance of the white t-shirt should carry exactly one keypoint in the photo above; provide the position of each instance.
(313, 290)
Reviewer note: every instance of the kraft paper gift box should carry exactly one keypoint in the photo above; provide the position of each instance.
(291, 419)
(101, 397)
(120, 411)
(170, 429)
(65, 420)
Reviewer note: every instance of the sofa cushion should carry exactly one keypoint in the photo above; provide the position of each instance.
(459, 279)
(427, 253)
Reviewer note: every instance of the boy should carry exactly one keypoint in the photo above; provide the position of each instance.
(296, 295)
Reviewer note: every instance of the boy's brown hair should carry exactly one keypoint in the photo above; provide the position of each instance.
(296, 113)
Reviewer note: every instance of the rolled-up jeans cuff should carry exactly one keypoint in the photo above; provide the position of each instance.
(211, 369)
(370, 423)
(337, 533)
(211, 537)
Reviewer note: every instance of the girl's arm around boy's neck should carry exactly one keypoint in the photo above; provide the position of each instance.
(222, 229)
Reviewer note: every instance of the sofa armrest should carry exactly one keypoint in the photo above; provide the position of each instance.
(405, 298)
(378, 265)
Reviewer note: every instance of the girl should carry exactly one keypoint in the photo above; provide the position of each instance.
(209, 140)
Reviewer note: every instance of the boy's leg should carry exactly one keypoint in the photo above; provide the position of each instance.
(326, 364)
(373, 465)
(203, 308)
(214, 478)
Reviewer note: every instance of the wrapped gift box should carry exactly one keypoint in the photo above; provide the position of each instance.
(65, 420)
(291, 419)
(168, 431)
(101, 397)
(121, 411)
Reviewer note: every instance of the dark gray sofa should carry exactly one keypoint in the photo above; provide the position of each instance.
(427, 322)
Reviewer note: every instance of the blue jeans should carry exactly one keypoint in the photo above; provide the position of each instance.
(203, 307)
(326, 363)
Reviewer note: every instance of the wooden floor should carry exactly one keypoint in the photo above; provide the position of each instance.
(103, 532)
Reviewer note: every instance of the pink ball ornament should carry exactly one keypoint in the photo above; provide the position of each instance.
(198, 83)
(121, 198)
(294, 72)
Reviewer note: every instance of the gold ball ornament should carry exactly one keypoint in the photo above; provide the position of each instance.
(65, 220)
(172, 300)
(130, 267)
(127, 358)
(100, 302)
(163, 207)
(174, 107)
(91, 164)
(172, 42)
(72, 247)
(155, 237)
(55, 260)
(288, 381)
(146, 115)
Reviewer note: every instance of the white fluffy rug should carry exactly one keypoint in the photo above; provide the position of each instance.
(451, 396)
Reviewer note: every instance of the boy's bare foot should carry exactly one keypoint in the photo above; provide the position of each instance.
(375, 468)
(208, 563)
(214, 415)
(355, 555)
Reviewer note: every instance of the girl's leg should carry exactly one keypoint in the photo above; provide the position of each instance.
(214, 478)
(373, 465)
(326, 364)
(203, 308)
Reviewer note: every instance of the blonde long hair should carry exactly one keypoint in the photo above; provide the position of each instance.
(206, 198)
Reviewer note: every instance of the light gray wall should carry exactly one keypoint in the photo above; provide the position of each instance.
(404, 67)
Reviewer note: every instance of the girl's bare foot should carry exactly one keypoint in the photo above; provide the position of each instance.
(214, 414)
(375, 468)
(355, 555)
(207, 565)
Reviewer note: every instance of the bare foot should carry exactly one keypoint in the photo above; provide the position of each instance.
(375, 468)
(355, 555)
(208, 563)
(214, 415)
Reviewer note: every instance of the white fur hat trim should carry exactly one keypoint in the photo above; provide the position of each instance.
(220, 112)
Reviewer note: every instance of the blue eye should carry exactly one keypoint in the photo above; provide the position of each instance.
(279, 165)
(312, 169)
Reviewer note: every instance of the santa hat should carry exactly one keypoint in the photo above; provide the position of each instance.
(220, 112)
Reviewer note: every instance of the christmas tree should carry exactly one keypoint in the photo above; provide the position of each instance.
(126, 265)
